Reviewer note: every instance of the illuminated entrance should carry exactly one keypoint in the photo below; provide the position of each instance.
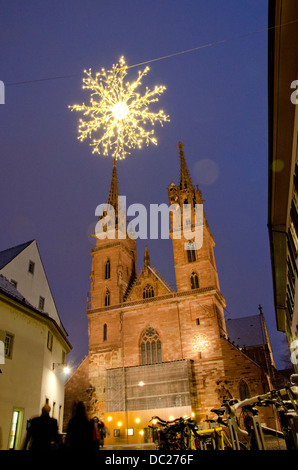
(135, 394)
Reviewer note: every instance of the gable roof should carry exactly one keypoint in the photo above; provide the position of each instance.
(246, 331)
(139, 278)
(10, 291)
(8, 255)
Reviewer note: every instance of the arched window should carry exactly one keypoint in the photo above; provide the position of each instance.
(243, 390)
(105, 332)
(107, 298)
(194, 281)
(191, 253)
(148, 291)
(108, 270)
(150, 347)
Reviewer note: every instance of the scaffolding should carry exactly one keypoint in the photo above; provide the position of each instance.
(165, 385)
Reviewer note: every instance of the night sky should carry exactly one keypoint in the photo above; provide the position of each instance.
(218, 105)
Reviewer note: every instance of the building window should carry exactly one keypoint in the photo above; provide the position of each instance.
(8, 345)
(105, 332)
(150, 347)
(50, 341)
(41, 303)
(16, 429)
(194, 281)
(107, 298)
(59, 416)
(148, 292)
(31, 267)
(108, 270)
(243, 390)
(191, 253)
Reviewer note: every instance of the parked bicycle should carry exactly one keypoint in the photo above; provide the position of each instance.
(173, 435)
(225, 431)
(285, 402)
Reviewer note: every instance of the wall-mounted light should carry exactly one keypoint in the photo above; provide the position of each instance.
(66, 368)
(200, 342)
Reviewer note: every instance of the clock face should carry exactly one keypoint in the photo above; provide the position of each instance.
(200, 342)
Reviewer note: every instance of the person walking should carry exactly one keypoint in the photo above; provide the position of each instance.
(42, 433)
(95, 433)
(79, 430)
(103, 434)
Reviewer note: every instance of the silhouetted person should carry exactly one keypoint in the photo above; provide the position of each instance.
(103, 434)
(96, 434)
(42, 433)
(79, 431)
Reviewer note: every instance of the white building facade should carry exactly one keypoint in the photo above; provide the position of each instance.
(33, 349)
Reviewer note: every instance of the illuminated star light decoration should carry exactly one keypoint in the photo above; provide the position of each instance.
(118, 111)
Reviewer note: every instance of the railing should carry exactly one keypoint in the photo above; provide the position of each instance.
(171, 295)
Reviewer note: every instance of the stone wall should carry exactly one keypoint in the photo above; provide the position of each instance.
(77, 388)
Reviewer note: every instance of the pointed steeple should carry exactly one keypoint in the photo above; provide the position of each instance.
(185, 180)
(146, 257)
(114, 191)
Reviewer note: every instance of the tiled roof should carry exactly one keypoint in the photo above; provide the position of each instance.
(8, 255)
(246, 331)
(7, 288)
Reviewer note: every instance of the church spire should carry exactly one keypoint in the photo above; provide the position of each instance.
(146, 257)
(114, 191)
(185, 180)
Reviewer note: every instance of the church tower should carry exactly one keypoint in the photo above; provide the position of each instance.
(194, 263)
(194, 260)
(113, 258)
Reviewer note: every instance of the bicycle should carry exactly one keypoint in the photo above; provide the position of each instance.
(173, 435)
(225, 435)
(286, 404)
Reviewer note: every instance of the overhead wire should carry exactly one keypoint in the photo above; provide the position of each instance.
(187, 51)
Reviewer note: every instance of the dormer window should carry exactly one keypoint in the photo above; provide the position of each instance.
(41, 303)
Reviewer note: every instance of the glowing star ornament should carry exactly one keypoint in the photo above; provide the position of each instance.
(118, 112)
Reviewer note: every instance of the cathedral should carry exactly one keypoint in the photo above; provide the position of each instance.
(154, 350)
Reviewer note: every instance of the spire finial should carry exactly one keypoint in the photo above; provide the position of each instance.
(261, 309)
(180, 146)
(146, 257)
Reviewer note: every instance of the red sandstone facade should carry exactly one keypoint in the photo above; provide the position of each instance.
(153, 350)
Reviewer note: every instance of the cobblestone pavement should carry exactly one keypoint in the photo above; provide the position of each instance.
(274, 443)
